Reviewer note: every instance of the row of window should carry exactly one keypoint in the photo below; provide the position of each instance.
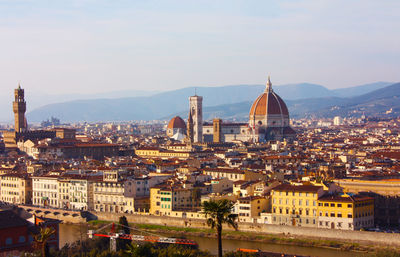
(42, 194)
(9, 185)
(45, 185)
(106, 198)
(349, 215)
(10, 199)
(287, 221)
(294, 202)
(10, 178)
(21, 239)
(333, 214)
(108, 208)
(9, 193)
(363, 204)
(339, 205)
(50, 202)
(333, 224)
(112, 190)
(221, 175)
(293, 212)
(109, 185)
(295, 193)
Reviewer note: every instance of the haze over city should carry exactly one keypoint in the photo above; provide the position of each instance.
(59, 47)
(199, 128)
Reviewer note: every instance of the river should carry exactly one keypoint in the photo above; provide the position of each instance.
(70, 233)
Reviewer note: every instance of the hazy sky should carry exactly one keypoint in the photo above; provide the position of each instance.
(95, 46)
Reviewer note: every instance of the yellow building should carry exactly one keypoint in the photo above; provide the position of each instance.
(345, 212)
(166, 199)
(386, 197)
(295, 205)
(16, 188)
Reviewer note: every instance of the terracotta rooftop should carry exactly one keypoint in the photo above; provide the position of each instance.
(349, 199)
(292, 188)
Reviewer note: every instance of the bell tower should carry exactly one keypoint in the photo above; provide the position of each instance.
(19, 108)
(196, 108)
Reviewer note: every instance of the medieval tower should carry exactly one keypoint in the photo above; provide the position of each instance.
(196, 107)
(19, 108)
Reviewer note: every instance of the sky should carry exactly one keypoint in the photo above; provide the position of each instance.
(92, 46)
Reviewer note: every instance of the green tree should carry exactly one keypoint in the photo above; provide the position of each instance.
(124, 227)
(42, 238)
(218, 213)
(139, 250)
(196, 196)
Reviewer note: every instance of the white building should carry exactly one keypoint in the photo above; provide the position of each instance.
(45, 191)
(337, 121)
(108, 193)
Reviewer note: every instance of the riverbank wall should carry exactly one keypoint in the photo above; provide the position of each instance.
(390, 239)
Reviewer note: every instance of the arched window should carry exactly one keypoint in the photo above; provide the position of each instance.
(21, 239)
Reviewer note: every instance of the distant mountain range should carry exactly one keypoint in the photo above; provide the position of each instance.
(227, 102)
(359, 90)
(384, 102)
(36, 99)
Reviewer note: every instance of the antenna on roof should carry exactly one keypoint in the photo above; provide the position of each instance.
(195, 91)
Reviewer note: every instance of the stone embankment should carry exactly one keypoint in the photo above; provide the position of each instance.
(392, 239)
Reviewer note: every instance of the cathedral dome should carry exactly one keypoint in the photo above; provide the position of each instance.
(176, 123)
(268, 103)
(269, 117)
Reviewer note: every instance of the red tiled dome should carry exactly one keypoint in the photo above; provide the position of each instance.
(176, 122)
(268, 103)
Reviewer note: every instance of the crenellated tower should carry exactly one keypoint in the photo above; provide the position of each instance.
(19, 108)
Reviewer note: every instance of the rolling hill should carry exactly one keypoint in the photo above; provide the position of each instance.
(163, 104)
(381, 102)
(228, 102)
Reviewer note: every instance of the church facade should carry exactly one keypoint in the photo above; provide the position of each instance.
(268, 120)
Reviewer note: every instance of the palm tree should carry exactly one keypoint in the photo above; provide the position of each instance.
(218, 213)
(42, 238)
